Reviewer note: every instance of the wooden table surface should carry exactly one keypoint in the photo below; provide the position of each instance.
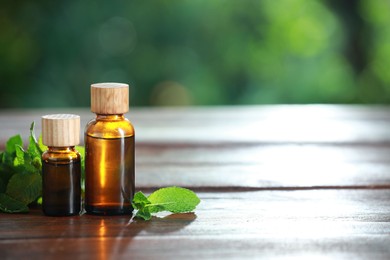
(274, 181)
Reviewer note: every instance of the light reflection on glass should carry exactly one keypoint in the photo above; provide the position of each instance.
(102, 240)
(102, 166)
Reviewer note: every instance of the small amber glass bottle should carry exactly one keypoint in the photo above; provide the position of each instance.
(109, 152)
(61, 167)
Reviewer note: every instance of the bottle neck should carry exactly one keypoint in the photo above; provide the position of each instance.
(116, 117)
(67, 149)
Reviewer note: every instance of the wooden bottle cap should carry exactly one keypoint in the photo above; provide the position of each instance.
(61, 130)
(109, 98)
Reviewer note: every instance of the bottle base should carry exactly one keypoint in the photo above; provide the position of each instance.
(60, 214)
(105, 211)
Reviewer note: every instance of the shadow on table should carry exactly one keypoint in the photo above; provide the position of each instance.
(167, 224)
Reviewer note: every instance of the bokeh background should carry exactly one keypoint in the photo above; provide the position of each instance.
(195, 52)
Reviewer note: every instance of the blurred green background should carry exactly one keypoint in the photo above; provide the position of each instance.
(195, 52)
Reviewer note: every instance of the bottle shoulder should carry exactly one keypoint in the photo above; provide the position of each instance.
(109, 128)
(61, 157)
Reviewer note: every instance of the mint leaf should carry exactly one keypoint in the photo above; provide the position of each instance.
(2, 186)
(10, 149)
(19, 159)
(25, 187)
(10, 144)
(174, 199)
(140, 200)
(33, 147)
(144, 213)
(20, 173)
(6, 172)
(139, 203)
(42, 147)
(34, 150)
(11, 205)
(26, 162)
(81, 150)
(6, 169)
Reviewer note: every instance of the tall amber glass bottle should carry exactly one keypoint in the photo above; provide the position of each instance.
(109, 152)
(61, 168)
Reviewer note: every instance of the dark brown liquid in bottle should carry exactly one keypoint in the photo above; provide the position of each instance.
(109, 179)
(61, 191)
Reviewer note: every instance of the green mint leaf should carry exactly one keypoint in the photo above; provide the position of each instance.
(10, 144)
(143, 206)
(42, 147)
(140, 201)
(6, 172)
(173, 199)
(37, 163)
(20, 173)
(7, 163)
(34, 150)
(25, 187)
(25, 162)
(19, 159)
(33, 147)
(81, 150)
(144, 213)
(3, 187)
(11, 205)
(10, 149)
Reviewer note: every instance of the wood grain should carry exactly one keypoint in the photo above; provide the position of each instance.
(180, 147)
(60, 130)
(275, 182)
(333, 124)
(335, 223)
(262, 166)
(110, 98)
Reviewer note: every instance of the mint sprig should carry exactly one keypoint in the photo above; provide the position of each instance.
(11, 205)
(172, 199)
(20, 173)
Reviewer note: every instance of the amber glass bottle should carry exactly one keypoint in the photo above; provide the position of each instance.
(109, 152)
(61, 168)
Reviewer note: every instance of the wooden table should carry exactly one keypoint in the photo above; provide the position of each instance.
(275, 182)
